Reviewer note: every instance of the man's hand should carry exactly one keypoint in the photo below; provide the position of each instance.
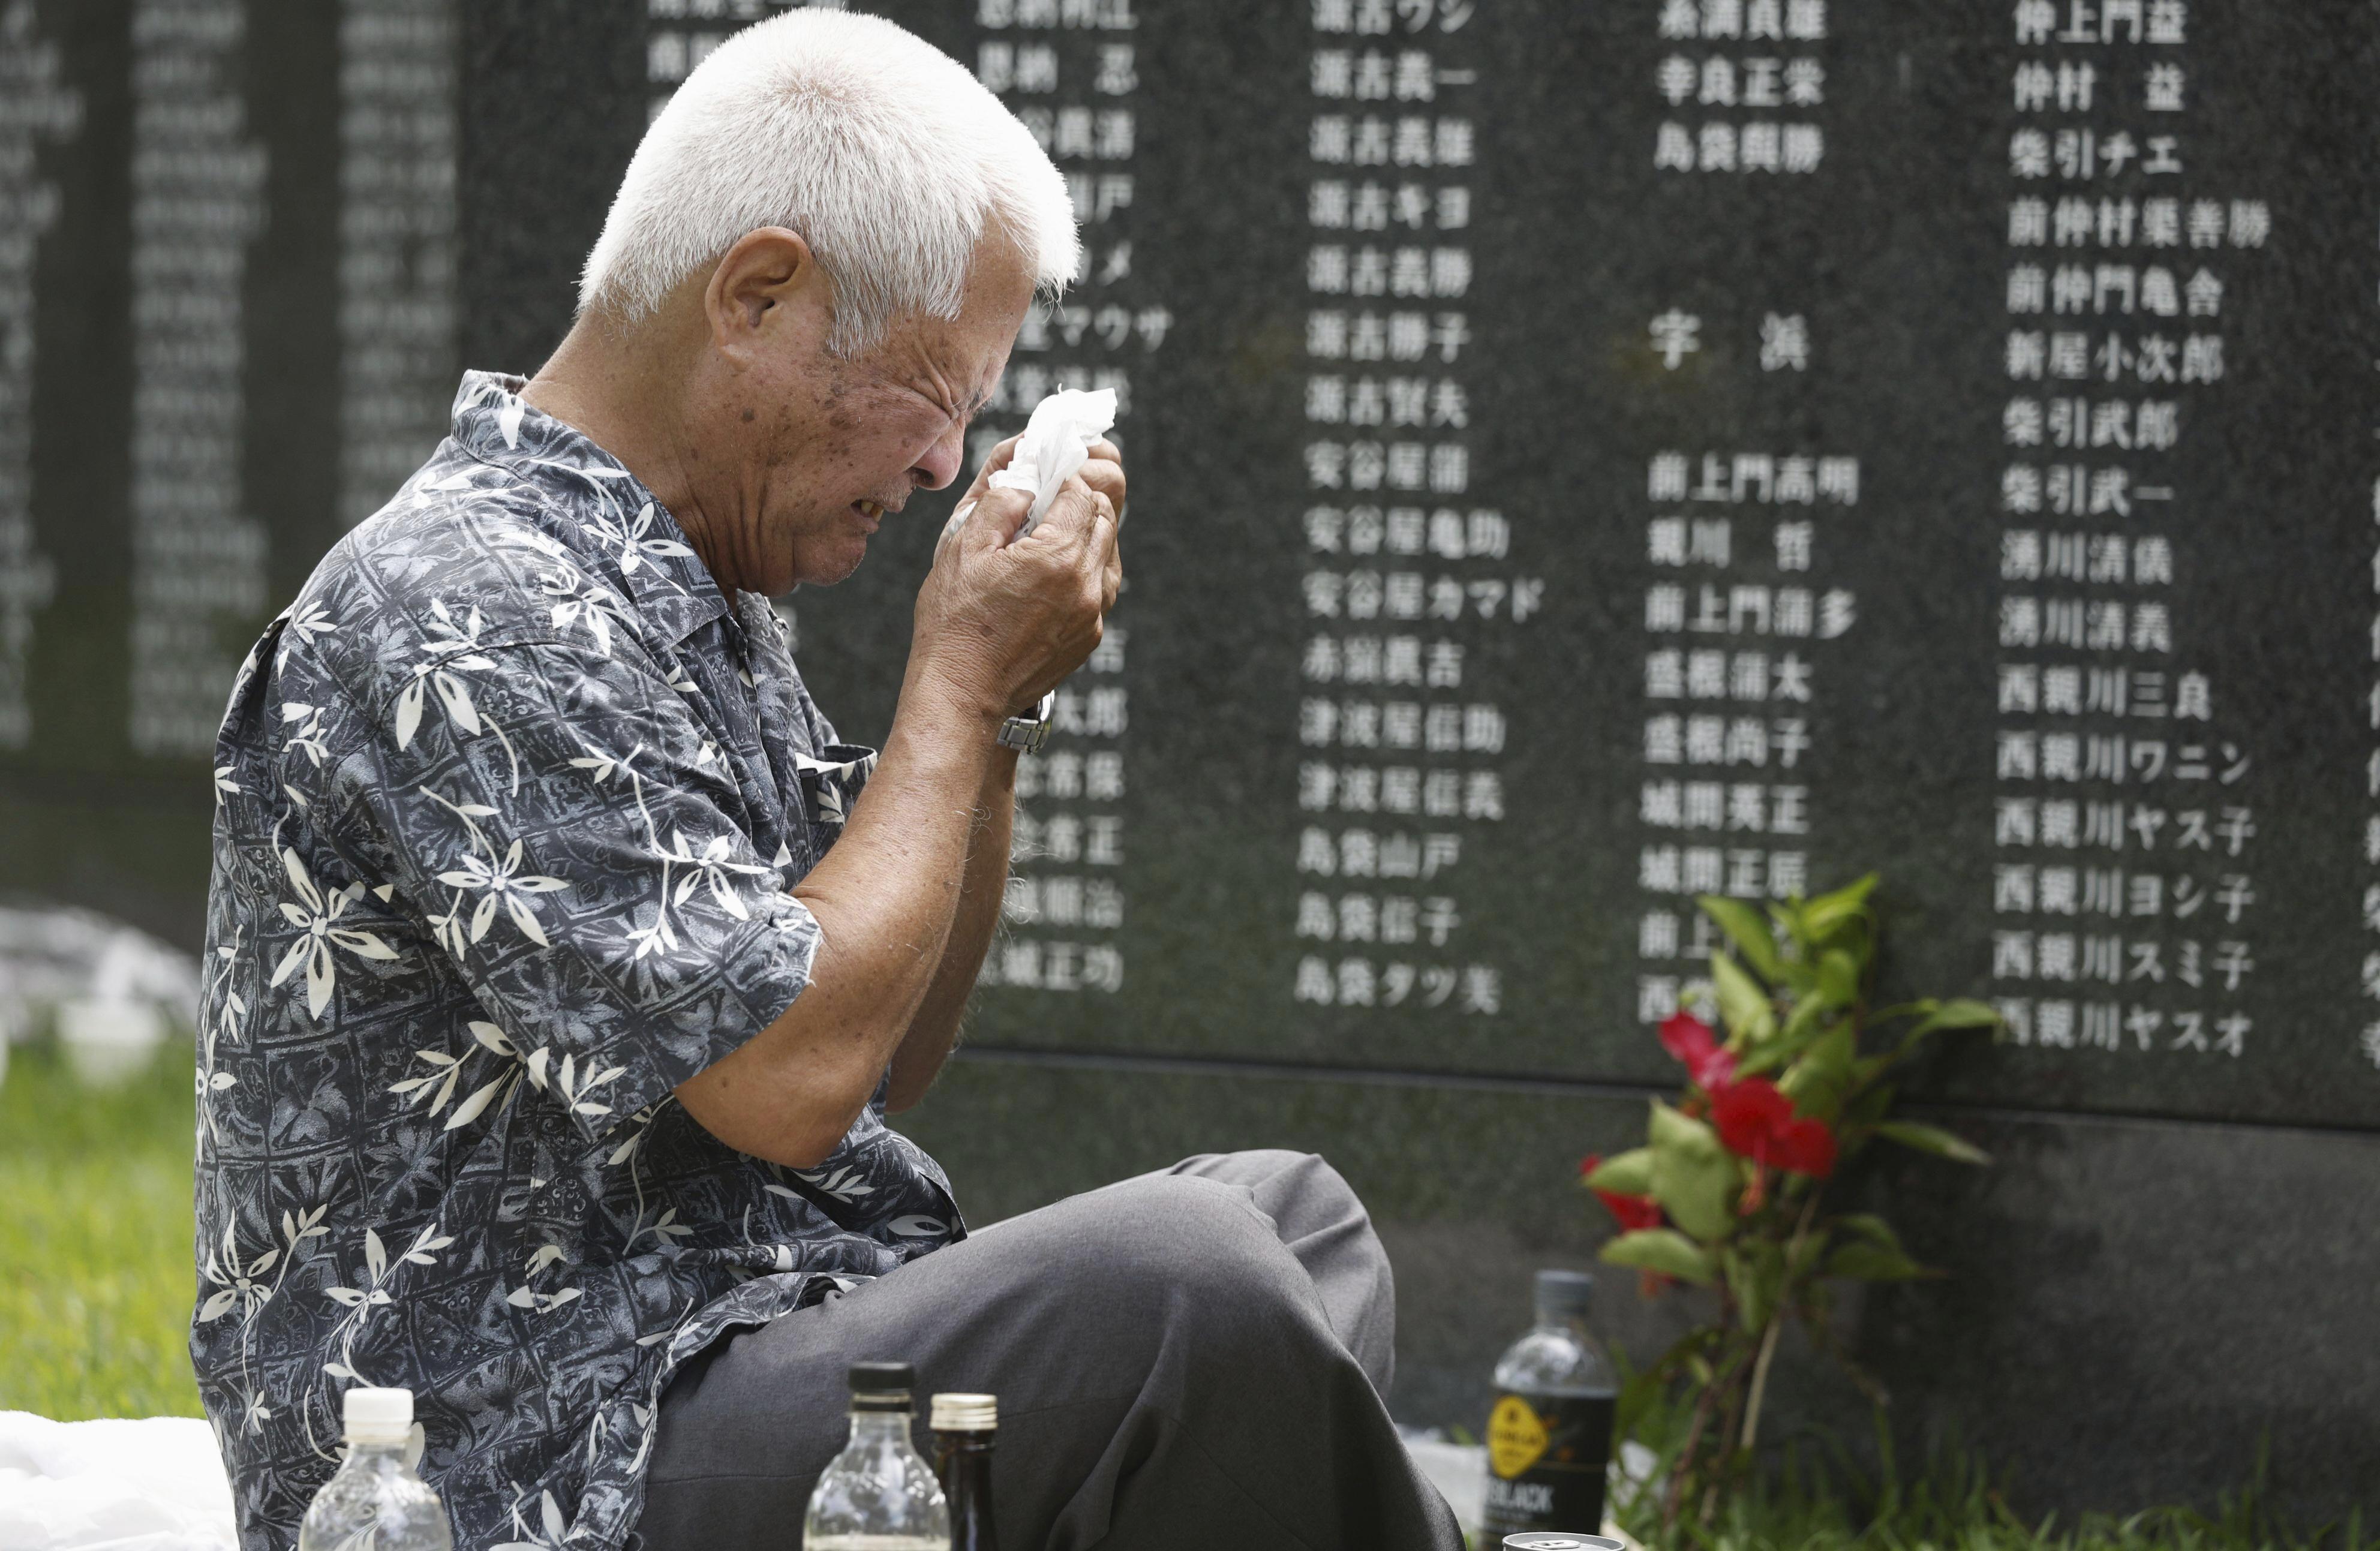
(1012, 618)
(1103, 473)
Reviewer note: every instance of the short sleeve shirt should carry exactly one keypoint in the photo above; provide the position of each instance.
(510, 802)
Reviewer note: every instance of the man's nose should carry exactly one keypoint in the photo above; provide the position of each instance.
(942, 460)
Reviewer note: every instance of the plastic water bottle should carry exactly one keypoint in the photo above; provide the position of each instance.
(879, 1494)
(375, 1502)
(1550, 1436)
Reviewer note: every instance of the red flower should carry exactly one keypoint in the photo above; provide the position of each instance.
(1756, 1121)
(1688, 1038)
(1632, 1212)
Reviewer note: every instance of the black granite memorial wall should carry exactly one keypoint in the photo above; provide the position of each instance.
(227, 331)
(1583, 456)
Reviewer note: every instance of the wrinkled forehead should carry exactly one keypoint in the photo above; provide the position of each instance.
(1001, 281)
(969, 350)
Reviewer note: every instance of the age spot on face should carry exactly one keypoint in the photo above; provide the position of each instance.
(750, 415)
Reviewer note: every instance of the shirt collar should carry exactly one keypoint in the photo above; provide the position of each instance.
(607, 510)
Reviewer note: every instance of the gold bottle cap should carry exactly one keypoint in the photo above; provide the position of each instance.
(965, 1414)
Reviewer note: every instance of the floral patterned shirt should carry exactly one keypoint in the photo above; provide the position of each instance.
(509, 802)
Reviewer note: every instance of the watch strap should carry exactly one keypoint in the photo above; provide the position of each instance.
(1028, 734)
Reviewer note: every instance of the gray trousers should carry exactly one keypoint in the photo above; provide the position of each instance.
(1190, 1360)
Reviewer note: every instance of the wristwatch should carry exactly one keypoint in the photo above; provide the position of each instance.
(1028, 734)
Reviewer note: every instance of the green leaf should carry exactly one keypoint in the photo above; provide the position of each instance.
(1873, 1103)
(1839, 977)
(1828, 914)
(1874, 1263)
(1664, 1250)
(1816, 1082)
(1643, 1393)
(1628, 1173)
(1870, 1226)
(1743, 1005)
(1755, 1274)
(1692, 1175)
(1802, 1026)
(1763, 1060)
(1964, 1013)
(1933, 1139)
(1957, 1014)
(1748, 929)
(1772, 1055)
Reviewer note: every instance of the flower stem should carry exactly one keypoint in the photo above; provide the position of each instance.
(1691, 1469)
(1760, 1380)
(1776, 1323)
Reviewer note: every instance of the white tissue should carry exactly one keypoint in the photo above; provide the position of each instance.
(1057, 441)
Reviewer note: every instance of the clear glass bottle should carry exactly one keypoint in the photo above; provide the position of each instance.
(964, 1425)
(1550, 1435)
(878, 1494)
(374, 1501)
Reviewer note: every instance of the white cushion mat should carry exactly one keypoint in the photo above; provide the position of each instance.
(155, 1484)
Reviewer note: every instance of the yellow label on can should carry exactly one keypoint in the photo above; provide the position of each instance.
(1516, 1437)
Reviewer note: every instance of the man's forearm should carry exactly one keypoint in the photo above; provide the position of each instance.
(1000, 621)
(935, 1030)
(885, 898)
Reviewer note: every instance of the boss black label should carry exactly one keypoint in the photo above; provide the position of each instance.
(1545, 1461)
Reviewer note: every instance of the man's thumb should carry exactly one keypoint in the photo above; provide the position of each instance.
(987, 522)
(998, 517)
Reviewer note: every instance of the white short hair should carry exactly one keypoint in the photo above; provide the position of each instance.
(876, 148)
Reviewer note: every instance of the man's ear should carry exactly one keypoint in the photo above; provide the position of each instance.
(768, 281)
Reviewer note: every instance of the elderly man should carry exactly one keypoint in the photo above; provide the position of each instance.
(563, 962)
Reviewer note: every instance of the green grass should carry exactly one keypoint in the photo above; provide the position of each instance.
(95, 1263)
(1826, 1503)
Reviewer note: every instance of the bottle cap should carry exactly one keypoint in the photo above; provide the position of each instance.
(965, 1414)
(1564, 1292)
(377, 1415)
(882, 1381)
